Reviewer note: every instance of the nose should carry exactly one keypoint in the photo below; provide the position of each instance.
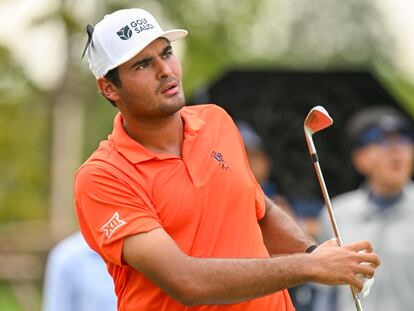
(163, 70)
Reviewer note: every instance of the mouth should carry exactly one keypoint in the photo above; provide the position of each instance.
(170, 88)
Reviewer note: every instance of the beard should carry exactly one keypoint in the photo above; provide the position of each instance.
(168, 109)
(147, 107)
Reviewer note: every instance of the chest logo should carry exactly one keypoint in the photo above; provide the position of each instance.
(112, 225)
(218, 156)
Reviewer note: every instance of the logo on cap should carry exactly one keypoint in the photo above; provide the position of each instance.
(125, 33)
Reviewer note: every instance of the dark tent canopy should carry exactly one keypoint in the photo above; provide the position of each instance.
(276, 103)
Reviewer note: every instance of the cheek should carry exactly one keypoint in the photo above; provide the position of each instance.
(367, 160)
(408, 159)
(138, 87)
(374, 162)
(396, 165)
(176, 67)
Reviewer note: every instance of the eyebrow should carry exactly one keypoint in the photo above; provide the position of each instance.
(148, 59)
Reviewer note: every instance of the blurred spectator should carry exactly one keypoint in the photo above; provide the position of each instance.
(260, 163)
(76, 279)
(307, 210)
(381, 210)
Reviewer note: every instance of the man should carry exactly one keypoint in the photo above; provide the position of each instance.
(381, 210)
(76, 279)
(169, 200)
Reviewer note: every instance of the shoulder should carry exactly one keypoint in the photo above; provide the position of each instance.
(348, 203)
(95, 170)
(347, 207)
(351, 197)
(206, 110)
(408, 197)
(215, 116)
(409, 189)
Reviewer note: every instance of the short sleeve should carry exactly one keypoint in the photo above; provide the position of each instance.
(109, 210)
(260, 202)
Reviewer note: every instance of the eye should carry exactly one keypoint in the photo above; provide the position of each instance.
(167, 54)
(142, 66)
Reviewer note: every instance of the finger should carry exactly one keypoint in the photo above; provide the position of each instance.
(367, 271)
(369, 258)
(357, 283)
(360, 246)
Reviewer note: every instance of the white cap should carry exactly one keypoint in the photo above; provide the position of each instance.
(120, 36)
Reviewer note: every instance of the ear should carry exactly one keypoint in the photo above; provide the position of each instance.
(108, 89)
(362, 160)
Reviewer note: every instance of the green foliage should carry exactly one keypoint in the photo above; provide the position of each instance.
(401, 89)
(24, 160)
(99, 116)
(24, 144)
(7, 301)
(14, 85)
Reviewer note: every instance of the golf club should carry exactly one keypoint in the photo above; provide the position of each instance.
(317, 120)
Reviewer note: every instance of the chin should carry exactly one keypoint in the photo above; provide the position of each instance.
(397, 183)
(173, 106)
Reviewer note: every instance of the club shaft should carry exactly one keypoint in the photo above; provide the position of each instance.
(315, 160)
(327, 200)
(333, 221)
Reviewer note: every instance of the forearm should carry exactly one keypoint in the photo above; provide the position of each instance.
(194, 280)
(223, 281)
(281, 233)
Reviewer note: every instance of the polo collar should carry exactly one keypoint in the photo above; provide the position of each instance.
(124, 144)
(192, 122)
(134, 151)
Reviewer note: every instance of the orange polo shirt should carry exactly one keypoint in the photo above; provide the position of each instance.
(208, 201)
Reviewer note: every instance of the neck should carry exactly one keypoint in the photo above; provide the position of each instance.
(159, 136)
(385, 202)
(385, 191)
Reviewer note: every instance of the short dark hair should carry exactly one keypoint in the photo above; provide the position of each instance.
(113, 76)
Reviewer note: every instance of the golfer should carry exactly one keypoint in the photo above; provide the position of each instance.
(169, 200)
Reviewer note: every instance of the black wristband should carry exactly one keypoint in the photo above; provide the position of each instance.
(311, 248)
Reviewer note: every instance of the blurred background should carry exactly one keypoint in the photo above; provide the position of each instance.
(52, 117)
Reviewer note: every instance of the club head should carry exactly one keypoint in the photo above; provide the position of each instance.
(317, 119)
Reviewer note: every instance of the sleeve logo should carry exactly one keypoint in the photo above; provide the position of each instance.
(112, 225)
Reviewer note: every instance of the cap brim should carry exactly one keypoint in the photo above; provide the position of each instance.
(171, 35)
